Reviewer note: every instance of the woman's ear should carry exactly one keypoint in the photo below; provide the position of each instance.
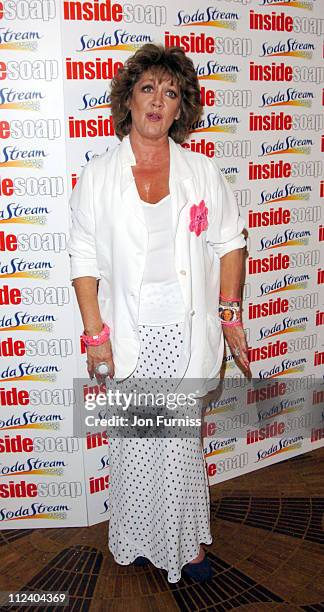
(127, 102)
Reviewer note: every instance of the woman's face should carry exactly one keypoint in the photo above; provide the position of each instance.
(154, 105)
(227, 314)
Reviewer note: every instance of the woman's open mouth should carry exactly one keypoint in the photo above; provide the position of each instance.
(154, 116)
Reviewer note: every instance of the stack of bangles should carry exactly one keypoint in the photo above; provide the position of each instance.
(230, 311)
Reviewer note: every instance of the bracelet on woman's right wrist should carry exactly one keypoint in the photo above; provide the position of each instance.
(97, 339)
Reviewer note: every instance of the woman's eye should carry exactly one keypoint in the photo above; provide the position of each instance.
(146, 87)
(172, 93)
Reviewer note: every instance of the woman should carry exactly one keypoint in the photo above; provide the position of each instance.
(158, 226)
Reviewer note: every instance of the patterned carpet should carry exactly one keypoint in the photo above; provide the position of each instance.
(267, 553)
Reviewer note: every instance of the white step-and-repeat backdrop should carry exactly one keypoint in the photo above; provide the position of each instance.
(261, 70)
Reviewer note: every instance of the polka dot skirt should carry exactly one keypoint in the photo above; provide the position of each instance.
(159, 505)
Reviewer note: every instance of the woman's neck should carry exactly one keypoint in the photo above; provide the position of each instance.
(148, 151)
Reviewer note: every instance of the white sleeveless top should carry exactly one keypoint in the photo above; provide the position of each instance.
(161, 300)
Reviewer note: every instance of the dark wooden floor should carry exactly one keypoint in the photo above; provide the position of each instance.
(268, 553)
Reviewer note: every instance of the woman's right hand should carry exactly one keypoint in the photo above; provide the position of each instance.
(97, 354)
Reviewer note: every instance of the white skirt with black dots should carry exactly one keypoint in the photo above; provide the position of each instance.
(159, 505)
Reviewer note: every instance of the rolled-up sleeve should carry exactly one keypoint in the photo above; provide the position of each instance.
(82, 237)
(225, 223)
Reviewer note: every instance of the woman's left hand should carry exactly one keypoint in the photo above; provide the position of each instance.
(235, 338)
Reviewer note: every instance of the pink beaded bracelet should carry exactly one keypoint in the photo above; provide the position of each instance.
(97, 339)
(231, 299)
(232, 323)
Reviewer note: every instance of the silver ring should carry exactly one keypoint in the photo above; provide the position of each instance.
(237, 352)
(102, 369)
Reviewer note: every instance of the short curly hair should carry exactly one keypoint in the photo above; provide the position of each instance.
(171, 61)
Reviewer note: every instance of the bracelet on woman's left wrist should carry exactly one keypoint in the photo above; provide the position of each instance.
(230, 312)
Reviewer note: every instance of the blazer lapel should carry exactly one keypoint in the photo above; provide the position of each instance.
(128, 185)
(181, 183)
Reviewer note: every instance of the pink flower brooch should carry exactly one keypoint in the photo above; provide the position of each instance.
(198, 218)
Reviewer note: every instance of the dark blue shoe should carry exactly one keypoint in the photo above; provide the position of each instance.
(200, 572)
(141, 561)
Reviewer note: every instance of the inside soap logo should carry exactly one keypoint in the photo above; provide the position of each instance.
(25, 489)
(48, 241)
(47, 70)
(15, 157)
(287, 238)
(12, 296)
(208, 17)
(29, 372)
(58, 512)
(288, 48)
(14, 40)
(216, 123)
(202, 43)
(305, 25)
(289, 145)
(31, 186)
(290, 192)
(92, 102)
(41, 347)
(317, 433)
(283, 445)
(213, 71)
(301, 4)
(105, 10)
(31, 129)
(227, 465)
(33, 465)
(287, 97)
(15, 396)
(26, 100)
(32, 420)
(287, 325)
(26, 9)
(119, 40)
(22, 320)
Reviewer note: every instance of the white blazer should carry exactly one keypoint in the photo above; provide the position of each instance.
(108, 240)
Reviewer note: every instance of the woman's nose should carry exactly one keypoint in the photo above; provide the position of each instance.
(157, 98)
